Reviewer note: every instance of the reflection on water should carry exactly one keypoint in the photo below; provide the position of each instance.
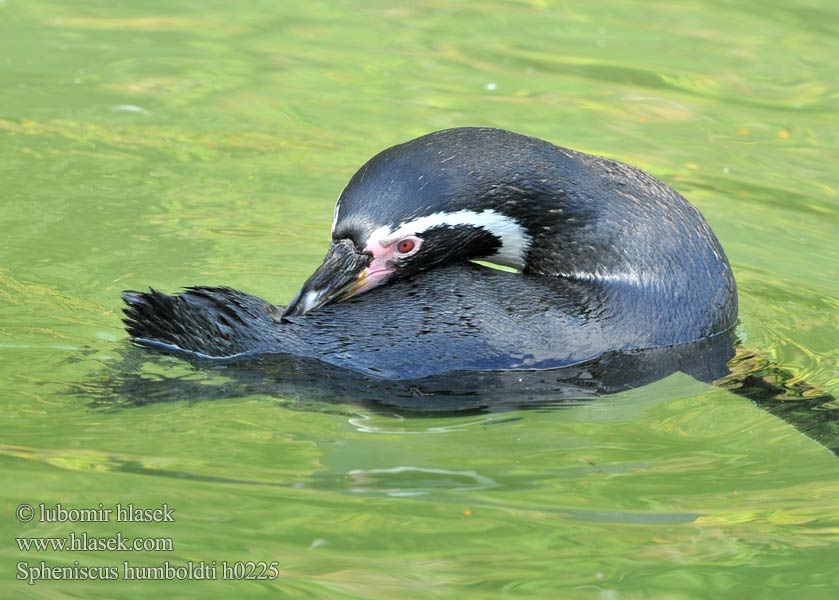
(319, 387)
(415, 481)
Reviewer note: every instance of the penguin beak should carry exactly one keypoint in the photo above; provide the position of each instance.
(343, 274)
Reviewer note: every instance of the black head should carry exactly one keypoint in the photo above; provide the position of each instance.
(452, 195)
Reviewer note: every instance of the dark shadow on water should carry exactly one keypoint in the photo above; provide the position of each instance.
(310, 385)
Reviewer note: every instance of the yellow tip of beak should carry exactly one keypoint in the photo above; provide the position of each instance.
(356, 286)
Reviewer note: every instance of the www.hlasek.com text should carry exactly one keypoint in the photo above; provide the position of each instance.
(82, 542)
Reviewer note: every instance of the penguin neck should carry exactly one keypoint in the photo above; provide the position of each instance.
(586, 246)
(625, 236)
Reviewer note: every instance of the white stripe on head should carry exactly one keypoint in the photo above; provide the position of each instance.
(335, 215)
(514, 239)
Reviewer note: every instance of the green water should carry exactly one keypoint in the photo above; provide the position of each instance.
(177, 143)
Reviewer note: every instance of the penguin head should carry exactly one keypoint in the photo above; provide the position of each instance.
(413, 207)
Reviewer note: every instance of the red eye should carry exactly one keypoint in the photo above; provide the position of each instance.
(405, 246)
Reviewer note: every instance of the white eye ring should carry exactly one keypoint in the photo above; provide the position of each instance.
(407, 246)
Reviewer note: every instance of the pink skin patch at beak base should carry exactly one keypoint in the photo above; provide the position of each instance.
(383, 263)
(380, 267)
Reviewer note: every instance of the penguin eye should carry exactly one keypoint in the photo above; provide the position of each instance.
(405, 246)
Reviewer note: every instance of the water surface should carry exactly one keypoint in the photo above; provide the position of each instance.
(170, 144)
